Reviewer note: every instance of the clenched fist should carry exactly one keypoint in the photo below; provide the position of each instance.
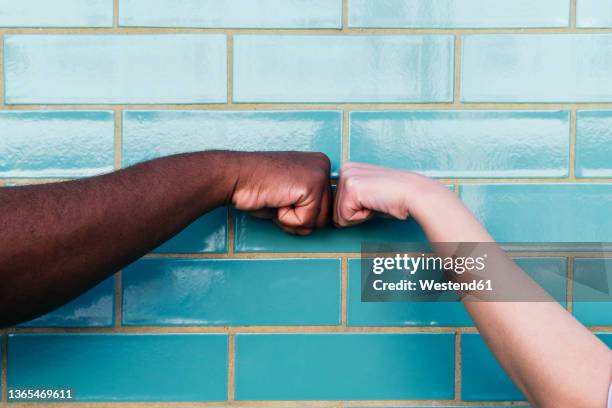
(290, 187)
(365, 190)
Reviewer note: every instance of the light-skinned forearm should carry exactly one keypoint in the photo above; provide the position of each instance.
(551, 357)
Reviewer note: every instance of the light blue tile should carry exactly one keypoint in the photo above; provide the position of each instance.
(257, 235)
(232, 292)
(482, 378)
(536, 68)
(344, 366)
(464, 143)
(91, 69)
(594, 144)
(94, 308)
(592, 291)
(565, 212)
(594, 13)
(122, 367)
(56, 13)
(56, 144)
(283, 68)
(149, 134)
(206, 234)
(550, 273)
(231, 13)
(458, 13)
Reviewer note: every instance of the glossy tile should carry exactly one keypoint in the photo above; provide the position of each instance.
(606, 338)
(593, 13)
(550, 273)
(354, 68)
(56, 144)
(94, 308)
(97, 69)
(56, 13)
(206, 234)
(464, 143)
(257, 235)
(122, 367)
(592, 291)
(564, 212)
(458, 13)
(482, 378)
(344, 366)
(149, 134)
(172, 292)
(536, 68)
(231, 13)
(594, 144)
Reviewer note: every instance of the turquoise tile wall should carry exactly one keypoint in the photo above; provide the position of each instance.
(328, 366)
(459, 13)
(593, 13)
(231, 13)
(508, 103)
(56, 13)
(274, 68)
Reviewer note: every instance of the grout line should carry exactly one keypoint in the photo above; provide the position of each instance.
(345, 17)
(457, 72)
(280, 404)
(570, 284)
(344, 292)
(458, 366)
(345, 136)
(291, 106)
(118, 299)
(231, 232)
(231, 367)
(230, 67)
(118, 138)
(572, 14)
(2, 87)
(115, 14)
(572, 147)
(292, 31)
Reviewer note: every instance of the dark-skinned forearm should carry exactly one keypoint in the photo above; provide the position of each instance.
(57, 240)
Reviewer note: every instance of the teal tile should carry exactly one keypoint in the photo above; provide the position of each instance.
(464, 143)
(594, 144)
(344, 366)
(593, 13)
(536, 68)
(565, 212)
(550, 273)
(232, 292)
(206, 234)
(94, 308)
(482, 378)
(458, 13)
(257, 235)
(592, 291)
(56, 144)
(606, 338)
(149, 134)
(56, 13)
(231, 13)
(122, 367)
(380, 68)
(97, 69)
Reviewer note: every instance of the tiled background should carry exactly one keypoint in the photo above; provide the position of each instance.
(509, 102)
